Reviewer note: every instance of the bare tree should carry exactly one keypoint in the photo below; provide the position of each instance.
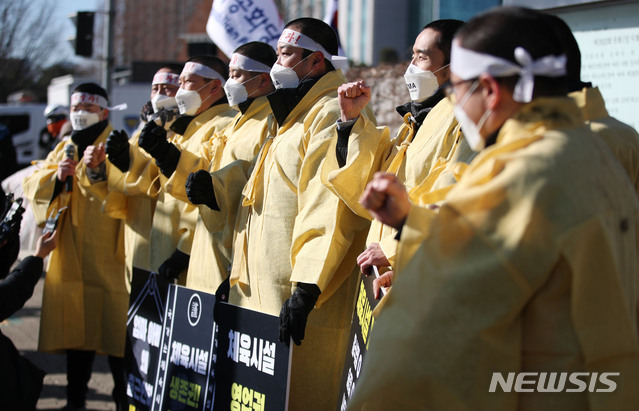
(29, 40)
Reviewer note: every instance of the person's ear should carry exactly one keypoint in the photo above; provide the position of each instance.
(264, 80)
(216, 85)
(444, 74)
(317, 60)
(491, 91)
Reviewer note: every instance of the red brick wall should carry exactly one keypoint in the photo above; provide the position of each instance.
(149, 30)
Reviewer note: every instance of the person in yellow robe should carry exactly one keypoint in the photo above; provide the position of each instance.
(85, 298)
(620, 138)
(139, 208)
(526, 281)
(296, 242)
(204, 111)
(428, 140)
(249, 83)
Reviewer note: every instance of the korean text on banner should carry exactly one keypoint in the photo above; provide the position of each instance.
(236, 22)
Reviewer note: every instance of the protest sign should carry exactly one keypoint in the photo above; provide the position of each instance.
(145, 319)
(252, 366)
(361, 327)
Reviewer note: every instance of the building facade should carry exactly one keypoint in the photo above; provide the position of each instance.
(370, 29)
(608, 36)
(147, 30)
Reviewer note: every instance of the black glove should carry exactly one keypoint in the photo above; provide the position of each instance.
(174, 265)
(164, 117)
(153, 140)
(295, 312)
(117, 149)
(146, 112)
(199, 189)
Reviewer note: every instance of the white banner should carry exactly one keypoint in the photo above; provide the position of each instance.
(236, 22)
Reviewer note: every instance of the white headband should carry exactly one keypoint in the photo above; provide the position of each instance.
(469, 64)
(88, 98)
(297, 39)
(98, 100)
(246, 63)
(166, 78)
(202, 70)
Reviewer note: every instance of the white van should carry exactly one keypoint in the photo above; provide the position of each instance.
(26, 123)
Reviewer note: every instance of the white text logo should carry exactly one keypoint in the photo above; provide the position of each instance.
(553, 382)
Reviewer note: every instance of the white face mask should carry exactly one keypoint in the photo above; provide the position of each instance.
(286, 77)
(421, 83)
(189, 101)
(83, 119)
(472, 131)
(161, 101)
(236, 93)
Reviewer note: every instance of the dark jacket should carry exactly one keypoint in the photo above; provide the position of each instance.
(20, 380)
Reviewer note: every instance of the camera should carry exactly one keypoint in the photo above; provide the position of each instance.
(10, 225)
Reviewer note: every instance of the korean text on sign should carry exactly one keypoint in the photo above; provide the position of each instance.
(189, 357)
(253, 352)
(246, 399)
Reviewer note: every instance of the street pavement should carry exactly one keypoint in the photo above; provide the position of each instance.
(22, 328)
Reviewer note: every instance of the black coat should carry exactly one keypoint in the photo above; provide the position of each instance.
(20, 380)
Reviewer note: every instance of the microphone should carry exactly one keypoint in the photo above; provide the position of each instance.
(69, 150)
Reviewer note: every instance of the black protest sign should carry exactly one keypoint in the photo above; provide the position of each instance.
(145, 319)
(361, 327)
(185, 376)
(252, 367)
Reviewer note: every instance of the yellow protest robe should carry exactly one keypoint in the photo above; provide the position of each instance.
(292, 229)
(411, 157)
(139, 209)
(622, 139)
(529, 266)
(173, 220)
(85, 298)
(434, 140)
(440, 180)
(413, 165)
(212, 241)
(137, 228)
(445, 173)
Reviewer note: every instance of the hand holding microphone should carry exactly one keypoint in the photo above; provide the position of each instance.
(66, 168)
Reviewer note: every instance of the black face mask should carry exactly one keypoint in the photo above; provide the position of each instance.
(243, 106)
(421, 109)
(180, 125)
(284, 100)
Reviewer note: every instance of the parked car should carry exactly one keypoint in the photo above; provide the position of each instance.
(26, 123)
